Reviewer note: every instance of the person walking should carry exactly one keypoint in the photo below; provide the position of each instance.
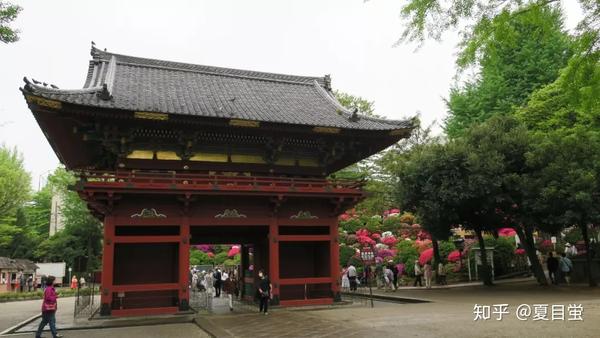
(428, 273)
(388, 276)
(345, 279)
(22, 281)
(194, 285)
(208, 283)
(394, 269)
(552, 265)
(74, 282)
(229, 288)
(565, 267)
(264, 292)
(441, 272)
(218, 283)
(49, 307)
(352, 277)
(30, 283)
(418, 274)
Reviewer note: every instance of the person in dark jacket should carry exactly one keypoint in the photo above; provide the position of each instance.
(218, 283)
(49, 307)
(264, 292)
(552, 264)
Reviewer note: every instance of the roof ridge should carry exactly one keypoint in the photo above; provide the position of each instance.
(103, 56)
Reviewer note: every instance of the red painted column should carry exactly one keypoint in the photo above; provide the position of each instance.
(107, 265)
(184, 264)
(274, 258)
(334, 255)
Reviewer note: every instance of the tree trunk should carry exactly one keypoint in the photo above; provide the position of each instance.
(588, 256)
(536, 267)
(485, 272)
(436, 257)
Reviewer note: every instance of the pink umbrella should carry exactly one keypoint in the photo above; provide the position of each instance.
(506, 232)
(233, 251)
(426, 256)
(454, 256)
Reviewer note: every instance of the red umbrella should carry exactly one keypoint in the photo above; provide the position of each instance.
(506, 232)
(454, 256)
(233, 251)
(426, 256)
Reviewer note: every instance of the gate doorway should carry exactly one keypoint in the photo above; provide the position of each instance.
(254, 252)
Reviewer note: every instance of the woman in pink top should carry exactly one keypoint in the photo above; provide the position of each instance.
(49, 306)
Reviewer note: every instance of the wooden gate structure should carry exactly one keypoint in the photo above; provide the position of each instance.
(171, 154)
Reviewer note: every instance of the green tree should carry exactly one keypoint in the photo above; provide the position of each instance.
(424, 19)
(78, 243)
(515, 53)
(566, 171)
(349, 101)
(14, 182)
(8, 14)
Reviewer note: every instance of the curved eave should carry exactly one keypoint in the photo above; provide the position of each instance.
(56, 99)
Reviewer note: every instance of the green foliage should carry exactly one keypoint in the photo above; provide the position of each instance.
(516, 53)
(573, 235)
(392, 223)
(446, 247)
(198, 257)
(8, 14)
(352, 225)
(364, 106)
(79, 243)
(220, 258)
(574, 98)
(425, 19)
(235, 260)
(374, 224)
(346, 252)
(14, 182)
(407, 254)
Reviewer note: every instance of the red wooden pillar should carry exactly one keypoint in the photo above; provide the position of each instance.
(184, 264)
(334, 255)
(107, 265)
(274, 259)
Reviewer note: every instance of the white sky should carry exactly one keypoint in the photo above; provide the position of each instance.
(349, 39)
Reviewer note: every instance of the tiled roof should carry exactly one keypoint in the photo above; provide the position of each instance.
(7, 263)
(139, 84)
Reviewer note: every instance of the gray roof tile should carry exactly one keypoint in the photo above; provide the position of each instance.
(139, 84)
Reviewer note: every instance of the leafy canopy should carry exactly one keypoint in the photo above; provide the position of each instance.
(8, 14)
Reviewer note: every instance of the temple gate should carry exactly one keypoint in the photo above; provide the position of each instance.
(172, 154)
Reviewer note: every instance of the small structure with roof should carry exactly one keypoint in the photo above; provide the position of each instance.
(11, 270)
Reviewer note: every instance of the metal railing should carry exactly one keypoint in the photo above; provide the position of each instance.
(87, 300)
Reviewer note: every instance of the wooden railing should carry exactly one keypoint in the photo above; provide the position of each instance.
(150, 179)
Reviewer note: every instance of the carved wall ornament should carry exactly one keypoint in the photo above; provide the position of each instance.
(303, 215)
(148, 213)
(230, 213)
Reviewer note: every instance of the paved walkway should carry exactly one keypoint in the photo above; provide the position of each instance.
(450, 313)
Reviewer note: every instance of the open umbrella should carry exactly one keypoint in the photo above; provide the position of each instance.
(506, 232)
(233, 251)
(454, 256)
(426, 256)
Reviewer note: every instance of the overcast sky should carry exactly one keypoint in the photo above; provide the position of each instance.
(349, 39)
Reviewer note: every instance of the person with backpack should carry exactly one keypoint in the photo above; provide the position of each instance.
(49, 307)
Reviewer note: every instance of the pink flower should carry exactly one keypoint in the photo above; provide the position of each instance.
(520, 251)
